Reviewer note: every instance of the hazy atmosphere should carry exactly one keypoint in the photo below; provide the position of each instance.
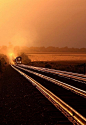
(43, 23)
(42, 62)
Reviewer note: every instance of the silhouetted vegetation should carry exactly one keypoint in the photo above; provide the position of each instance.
(47, 66)
(3, 62)
(25, 49)
(52, 49)
(25, 58)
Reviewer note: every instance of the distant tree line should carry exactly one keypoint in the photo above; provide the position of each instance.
(52, 49)
(25, 49)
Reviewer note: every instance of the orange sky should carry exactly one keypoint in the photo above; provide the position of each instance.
(43, 22)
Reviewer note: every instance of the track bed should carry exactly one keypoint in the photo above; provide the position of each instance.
(21, 103)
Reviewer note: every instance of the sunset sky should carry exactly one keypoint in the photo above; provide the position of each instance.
(43, 23)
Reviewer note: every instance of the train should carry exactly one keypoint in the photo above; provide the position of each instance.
(18, 60)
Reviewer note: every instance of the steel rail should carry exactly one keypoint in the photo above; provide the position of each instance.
(66, 74)
(69, 112)
(74, 76)
(64, 85)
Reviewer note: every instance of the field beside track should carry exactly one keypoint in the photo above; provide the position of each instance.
(54, 56)
(72, 62)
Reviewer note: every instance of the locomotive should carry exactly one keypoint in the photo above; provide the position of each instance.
(18, 60)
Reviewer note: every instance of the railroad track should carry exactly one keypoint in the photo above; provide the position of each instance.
(45, 71)
(57, 95)
(69, 75)
(64, 85)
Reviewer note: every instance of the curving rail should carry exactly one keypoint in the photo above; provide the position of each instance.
(64, 85)
(70, 75)
(68, 111)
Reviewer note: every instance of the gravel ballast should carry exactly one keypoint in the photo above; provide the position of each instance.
(22, 104)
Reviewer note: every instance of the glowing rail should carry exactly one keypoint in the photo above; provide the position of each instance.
(64, 85)
(68, 111)
(74, 76)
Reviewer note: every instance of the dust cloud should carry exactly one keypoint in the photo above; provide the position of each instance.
(43, 23)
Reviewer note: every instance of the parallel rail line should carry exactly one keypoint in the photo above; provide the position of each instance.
(64, 85)
(69, 112)
(74, 76)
